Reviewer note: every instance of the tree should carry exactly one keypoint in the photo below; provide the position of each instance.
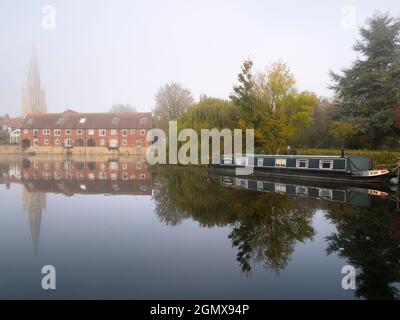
(171, 101)
(316, 135)
(369, 90)
(271, 105)
(342, 131)
(120, 107)
(4, 137)
(210, 113)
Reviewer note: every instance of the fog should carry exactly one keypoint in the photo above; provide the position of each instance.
(93, 54)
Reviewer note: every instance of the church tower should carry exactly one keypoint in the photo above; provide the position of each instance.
(33, 96)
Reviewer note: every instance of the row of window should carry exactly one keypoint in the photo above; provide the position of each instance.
(90, 132)
(300, 163)
(79, 165)
(90, 142)
(102, 176)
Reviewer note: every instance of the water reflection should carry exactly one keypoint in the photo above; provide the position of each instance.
(369, 238)
(70, 176)
(270, 217)
(266, 220)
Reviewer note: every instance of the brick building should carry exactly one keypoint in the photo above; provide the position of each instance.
(9, 124)
(86, 133)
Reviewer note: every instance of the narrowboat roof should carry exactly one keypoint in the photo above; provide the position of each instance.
(301, 156)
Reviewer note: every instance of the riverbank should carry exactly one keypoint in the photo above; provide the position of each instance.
(10, 149)
(379, 157)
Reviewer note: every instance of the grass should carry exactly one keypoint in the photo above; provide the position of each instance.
(379, 158)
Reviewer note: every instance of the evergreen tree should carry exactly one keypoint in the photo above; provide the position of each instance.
(369, 91)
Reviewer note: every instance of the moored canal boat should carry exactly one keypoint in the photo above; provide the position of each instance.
(322, 168)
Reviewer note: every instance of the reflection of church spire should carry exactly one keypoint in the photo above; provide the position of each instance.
(34, 204)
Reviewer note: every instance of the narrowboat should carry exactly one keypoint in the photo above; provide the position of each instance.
(320, 168)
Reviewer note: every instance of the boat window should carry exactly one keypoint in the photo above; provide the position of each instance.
(301, 190)
(280, 163)
(326, 164)
(260, 162)
(280, 188)
(302, 163)
(326, 193)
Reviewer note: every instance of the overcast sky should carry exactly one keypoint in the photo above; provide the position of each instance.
(104, 52)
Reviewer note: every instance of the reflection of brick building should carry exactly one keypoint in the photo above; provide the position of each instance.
(128, 176)
(83, 133)
(68, 176)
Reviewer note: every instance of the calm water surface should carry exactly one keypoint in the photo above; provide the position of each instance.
(119, 229)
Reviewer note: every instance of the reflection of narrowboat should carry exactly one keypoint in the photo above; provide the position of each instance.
(351, 195)
(327, 168)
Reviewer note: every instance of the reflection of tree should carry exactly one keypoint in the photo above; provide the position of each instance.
(271, 230)
(266, 226)
(370, 239)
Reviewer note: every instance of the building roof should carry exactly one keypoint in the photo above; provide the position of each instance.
(70, 119)
(14, 123)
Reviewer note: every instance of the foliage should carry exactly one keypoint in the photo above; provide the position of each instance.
(119, 107)
(369, 90)
(210, 113)
(171, 101)
(271, 105)
(342, 131)
(317, 135)
(4, 137)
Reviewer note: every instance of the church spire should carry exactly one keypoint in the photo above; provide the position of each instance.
(33, 81)
(33, 96)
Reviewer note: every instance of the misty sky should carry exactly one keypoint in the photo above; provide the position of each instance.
(106, 52)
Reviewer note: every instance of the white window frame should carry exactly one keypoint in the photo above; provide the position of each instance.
(79, 132)
(142, 132)
(124, 142)
(325, 161)
(90, 132)
(70, 144)
(102, 132)
(124, 132)
(113, 132)
(46, 142)
(68, 132)
(46, 132)
(57, 132)
(35, 142)
(35, 132)
(102, 142)
(57, 142)
(26, 131)
(301, 160)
